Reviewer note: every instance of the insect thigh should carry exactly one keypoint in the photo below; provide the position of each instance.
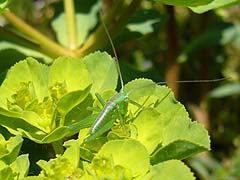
(103, 116)
(107, 111)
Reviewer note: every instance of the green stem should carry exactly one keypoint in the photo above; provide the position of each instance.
(43, 41)
(58, 147)
(71, 23)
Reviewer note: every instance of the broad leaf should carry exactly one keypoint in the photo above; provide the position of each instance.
(184, 3)
(214, 4)
(21, 165)
(9, 149)
(169, 170)
(64, 166)
(68, 74)
(33, 94)
(103, 72)
(129, 154)
(225, 91)
(164, 115)
(85, 22)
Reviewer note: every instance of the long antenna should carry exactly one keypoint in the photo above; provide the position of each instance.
(115, 54)
(181, 81)
(194, 81)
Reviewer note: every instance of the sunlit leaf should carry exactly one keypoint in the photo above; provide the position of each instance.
(169, 170)
(129, 154)
(168, 114)
(11, 149)
(103, 72)
(214, 4)
(184, 3)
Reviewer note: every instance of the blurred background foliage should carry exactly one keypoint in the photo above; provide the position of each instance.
(159, 42)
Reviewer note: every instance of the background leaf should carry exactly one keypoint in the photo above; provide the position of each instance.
(85, 22)
(225, 91)
(214, 4)
(184, 3)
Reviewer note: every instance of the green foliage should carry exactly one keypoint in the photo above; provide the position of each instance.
(169, 170)
(12, 166)
(146, 137)
(40, 102)
(225, 91)
(85, 23)
(3, 5)
(184, 3)
(48, 103)
(214, 5)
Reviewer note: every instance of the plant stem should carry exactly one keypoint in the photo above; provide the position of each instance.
(58, 147)
(71, 23)
(42, 40)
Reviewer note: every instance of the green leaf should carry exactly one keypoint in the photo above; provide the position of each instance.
(32, 91)
(72, 153)
(214, 4)
(184, 3)
(70, 74)
(85, 22)
(15, 51)
(70, 100)
(63, 131)
(12, 148)
(3, 5)
(21, 165)
(27, 71)
(6, 173)
(142, 21)
(169, 170)
(103, 72)
(13, 122)
(225, 91)
(65, 166)
(164, 115)
(129, 154)
(149, 125)
(179, 149)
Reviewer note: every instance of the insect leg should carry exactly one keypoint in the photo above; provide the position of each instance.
(159, 102)
(100, 99)
(140, 106)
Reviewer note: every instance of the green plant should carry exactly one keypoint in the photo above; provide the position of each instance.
(50, 104)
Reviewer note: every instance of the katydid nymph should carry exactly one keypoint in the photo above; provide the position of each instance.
(104, 120)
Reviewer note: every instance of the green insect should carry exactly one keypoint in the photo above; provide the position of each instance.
(104, 120)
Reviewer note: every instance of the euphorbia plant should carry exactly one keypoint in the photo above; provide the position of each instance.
(51, 104)
(47, 105)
